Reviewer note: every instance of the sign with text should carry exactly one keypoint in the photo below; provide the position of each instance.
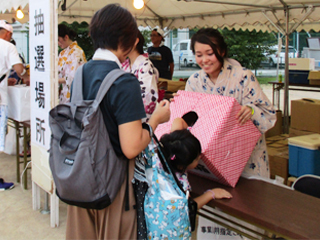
(42, 67)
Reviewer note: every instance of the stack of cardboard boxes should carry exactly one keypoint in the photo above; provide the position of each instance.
(304, 141)
(305, 120)
(278, 156)
(305, 117)
(277, 145)
(314, 77)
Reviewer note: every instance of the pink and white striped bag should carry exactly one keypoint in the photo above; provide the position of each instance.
(226, 146)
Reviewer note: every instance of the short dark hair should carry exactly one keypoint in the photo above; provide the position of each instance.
(184, 146)
(213, 38)
(140, 44)
(64, 30)
(112, 27)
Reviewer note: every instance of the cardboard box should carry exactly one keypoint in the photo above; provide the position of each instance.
(301, 64)
(279, 166)
(304, 155)
(173, 86)
(296, 132)
(277, 128)
(278, 156)
(277, 141)
(226, 145)
(314, 77)
(305, 115)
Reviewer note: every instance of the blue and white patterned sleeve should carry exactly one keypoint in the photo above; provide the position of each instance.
(192, 81)
(264, 114)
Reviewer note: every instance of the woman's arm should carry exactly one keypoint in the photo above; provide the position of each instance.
(133, 139)
(149, 89)
(263, 115)
(178, 124)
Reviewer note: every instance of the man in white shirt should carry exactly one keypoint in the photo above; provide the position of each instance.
(9, 58)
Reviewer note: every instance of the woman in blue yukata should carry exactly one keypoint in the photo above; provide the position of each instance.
(221, 76)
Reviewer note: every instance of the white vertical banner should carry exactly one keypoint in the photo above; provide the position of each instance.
(43, 73)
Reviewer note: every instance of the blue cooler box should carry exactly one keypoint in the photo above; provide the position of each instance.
(304, 155)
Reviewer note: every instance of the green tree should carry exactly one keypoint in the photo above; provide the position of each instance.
(83, 39)
(249, 48)
(146, 34)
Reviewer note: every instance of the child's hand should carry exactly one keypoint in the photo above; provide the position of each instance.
(162, 112)
(220, 193)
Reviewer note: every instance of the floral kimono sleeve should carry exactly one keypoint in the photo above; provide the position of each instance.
(264, 115)
(76, 59)
(149, 90)
(193, 82)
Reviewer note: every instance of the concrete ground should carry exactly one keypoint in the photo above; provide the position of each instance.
(18, 221)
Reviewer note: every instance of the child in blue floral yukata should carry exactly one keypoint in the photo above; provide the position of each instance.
(181, 150)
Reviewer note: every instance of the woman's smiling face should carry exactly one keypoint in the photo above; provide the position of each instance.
(207, 60)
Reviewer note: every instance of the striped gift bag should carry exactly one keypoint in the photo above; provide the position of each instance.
(226, 146)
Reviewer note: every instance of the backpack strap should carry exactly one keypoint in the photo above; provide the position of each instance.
(77, 85)
(104, 87)
(107, 83)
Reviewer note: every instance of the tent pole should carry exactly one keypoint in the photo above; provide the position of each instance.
(286, 85)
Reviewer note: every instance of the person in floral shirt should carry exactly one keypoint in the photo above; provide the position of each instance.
(220, 76)
(139, 64)
(70, 58)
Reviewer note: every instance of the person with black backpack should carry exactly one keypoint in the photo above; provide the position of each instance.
(114, 31)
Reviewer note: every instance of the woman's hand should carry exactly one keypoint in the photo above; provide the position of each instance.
(174, 95)
(62, 80)
(244, 114)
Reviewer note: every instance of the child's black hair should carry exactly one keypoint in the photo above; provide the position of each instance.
(183, 147)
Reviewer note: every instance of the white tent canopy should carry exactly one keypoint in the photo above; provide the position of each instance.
(265, 15)
(8, 10)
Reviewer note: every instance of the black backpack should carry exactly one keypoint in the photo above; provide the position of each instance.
(86, 171)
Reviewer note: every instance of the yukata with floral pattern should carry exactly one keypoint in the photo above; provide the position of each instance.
(69, 60)
(147, 75)
(240, 83)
